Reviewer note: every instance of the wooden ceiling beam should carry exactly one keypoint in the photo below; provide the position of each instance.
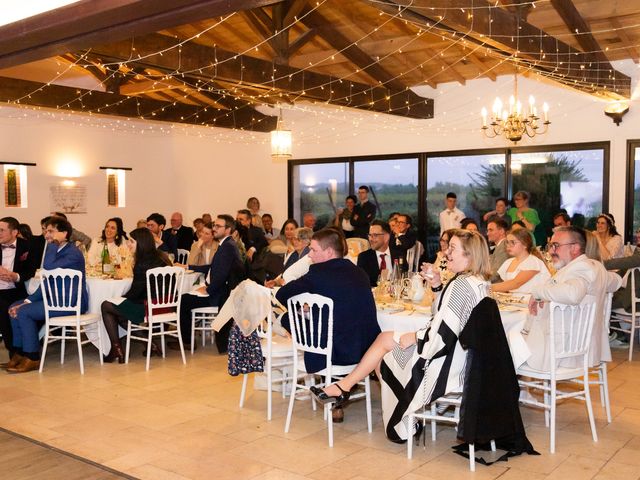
(496, 28)
(67, 98)
(240, 69)
(301, 41)
(579, 29)
(348, 49)
(445, 67)
(622, 35)
(485, 70)
(81, 25)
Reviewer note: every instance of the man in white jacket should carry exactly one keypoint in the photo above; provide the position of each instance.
(576, 276)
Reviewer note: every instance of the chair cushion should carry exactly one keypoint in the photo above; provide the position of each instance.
(70, 320)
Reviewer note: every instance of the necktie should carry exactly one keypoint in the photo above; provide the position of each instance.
(8, 246)
(383, 262)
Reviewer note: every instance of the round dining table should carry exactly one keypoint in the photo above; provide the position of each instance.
(411, 320)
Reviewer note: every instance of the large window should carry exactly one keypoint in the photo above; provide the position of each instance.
(561, 179)
(633, 191)
(318, 188)
(477, 180)
(571, 177)
(393, 184)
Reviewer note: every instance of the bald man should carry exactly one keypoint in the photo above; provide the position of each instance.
(182, 233)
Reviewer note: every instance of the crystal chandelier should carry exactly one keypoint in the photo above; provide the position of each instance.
(281, 141)
(513, 123)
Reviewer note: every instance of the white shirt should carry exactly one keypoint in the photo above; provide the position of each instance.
(450, 219)
(8, 259)
(387, 258)
(531, 263)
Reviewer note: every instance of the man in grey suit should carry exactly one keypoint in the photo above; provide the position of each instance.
(497, 233)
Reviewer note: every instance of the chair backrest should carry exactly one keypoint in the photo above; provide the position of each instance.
(164, 289)
(357, 245)
(571, 327)
(631, 276)
(311, 319)
(182, 256)
(61, 290)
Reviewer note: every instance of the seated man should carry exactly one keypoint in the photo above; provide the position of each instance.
(576, 276)
(225, 273)
(16, 267)
(379, 257)
(28, 315)
(169, 243)
(623, 297)
(497, 235)
(183, 234)
(404, 237)
(355, 324)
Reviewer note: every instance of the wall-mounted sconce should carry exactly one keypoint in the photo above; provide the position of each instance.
(616, 111)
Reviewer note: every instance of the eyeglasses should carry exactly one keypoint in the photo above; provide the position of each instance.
(511, 243)
(555, 245)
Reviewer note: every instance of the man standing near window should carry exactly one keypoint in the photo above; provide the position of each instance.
(451, 216)
(363, 213)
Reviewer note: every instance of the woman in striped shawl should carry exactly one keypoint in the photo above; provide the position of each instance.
(418, 367)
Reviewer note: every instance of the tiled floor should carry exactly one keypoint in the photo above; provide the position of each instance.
(179, 422)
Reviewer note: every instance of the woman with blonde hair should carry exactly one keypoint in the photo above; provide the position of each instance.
(434, 363)
(525, 269)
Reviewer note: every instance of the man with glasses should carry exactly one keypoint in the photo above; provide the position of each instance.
(497, 234)
(404, 237)
(225, 273)
(379, 257)
(576, 276)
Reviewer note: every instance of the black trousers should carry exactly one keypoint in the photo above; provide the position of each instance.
(188, 303)
(7, 297)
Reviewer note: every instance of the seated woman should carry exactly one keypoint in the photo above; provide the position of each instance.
(435, 360)
(286, 235)
(203, 250)
(28, 315)
(301, 240)
(610, 241)
(113, 237)
(525, 269)
(147, 256)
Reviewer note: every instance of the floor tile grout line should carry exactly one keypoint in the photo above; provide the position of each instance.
(68, 454)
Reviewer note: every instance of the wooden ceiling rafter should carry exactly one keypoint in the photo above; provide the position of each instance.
(580, 30)
(94, 102)
(633, 51)
(242, 69)
(495, 28)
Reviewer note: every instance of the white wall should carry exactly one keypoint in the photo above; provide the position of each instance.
(215, 170)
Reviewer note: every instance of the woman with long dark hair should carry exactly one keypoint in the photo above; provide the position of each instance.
(113, 236)
(146, 256)
(610, 241)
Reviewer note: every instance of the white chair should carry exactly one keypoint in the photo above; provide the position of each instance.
(62, 292)
(202, 321)
(182, 256)
(454, 400)
(631, 319)
(163, 293)
(570, 328)
(311, 319)
(277, 353)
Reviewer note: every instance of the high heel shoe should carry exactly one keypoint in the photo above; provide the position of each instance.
(115, 353)
(323, 398)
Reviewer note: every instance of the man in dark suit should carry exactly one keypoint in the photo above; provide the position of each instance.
(167, 243)
(363, 213)
(28, 315)
(252, 237)
(404, 237)
(183, 234)
(379, 257)
(497, 234)
(355, 325)
(16, 268)
(225, 273)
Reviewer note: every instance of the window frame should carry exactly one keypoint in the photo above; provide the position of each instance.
(632, 144)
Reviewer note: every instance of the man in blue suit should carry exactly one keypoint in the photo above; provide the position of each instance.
(225, 273)
(28, 315)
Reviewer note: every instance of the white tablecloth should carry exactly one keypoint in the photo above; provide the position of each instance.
(512, 320)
